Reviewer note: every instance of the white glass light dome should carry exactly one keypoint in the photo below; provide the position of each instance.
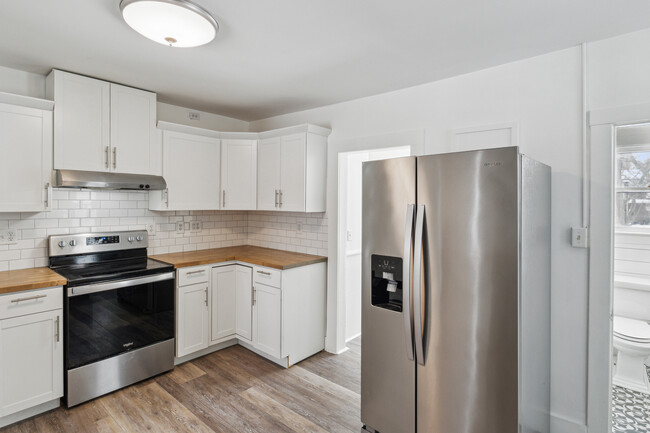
(176, 23)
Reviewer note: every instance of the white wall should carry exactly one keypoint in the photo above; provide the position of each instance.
(542, 96)
(28, 84)
(619, 71)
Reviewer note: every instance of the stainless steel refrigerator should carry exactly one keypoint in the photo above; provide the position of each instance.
(456, 294)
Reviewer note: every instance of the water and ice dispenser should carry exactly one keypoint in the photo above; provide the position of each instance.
(386, 282)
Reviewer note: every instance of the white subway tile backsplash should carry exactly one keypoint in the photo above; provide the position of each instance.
(83, 211)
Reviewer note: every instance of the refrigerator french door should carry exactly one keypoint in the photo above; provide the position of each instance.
(456, 294)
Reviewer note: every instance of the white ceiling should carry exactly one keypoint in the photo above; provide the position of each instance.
(277, 56)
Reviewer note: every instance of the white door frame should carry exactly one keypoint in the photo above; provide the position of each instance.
(602, 125)
(335, 335)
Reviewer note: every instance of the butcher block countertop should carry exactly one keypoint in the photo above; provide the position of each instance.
(29, 279)
(268, 257)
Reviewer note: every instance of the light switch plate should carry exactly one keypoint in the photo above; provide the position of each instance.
(580, 237)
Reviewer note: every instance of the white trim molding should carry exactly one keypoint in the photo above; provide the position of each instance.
(601, 156)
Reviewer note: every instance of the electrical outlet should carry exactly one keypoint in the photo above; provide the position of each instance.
(180, 227)
(196, 226)
(8, 237)
(151, 229)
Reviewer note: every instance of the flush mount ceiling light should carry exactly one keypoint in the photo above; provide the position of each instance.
(176, 23)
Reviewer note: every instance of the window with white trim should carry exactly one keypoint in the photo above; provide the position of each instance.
(633, 177)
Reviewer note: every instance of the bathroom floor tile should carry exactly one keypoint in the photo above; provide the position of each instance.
(630, 411)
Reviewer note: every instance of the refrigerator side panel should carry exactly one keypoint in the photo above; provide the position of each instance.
(469, 380)
(535, 297)
(387, 375)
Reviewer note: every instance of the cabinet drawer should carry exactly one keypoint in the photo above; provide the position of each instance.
(193, 275)
(268, 276)
(30, 301)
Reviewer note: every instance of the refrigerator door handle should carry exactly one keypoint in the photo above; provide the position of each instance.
(418, 285)
(406, 284)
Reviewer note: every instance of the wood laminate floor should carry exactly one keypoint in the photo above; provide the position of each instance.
(232, 390)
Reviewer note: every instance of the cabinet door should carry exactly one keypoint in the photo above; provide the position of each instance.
(31, 360)
(81, 122)
(268, 172)
(135, 142)
(191, 170)
(239, 174)
(244, 302)
(223, 316)
(26, 143)
(292, 197)
(267, 316)
(192, 319)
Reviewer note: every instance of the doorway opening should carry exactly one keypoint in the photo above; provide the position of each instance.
(349, 230)
(630, 402)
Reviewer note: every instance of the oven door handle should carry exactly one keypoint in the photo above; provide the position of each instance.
(112, 285)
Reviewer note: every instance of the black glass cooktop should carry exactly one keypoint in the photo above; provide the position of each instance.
(93, 268)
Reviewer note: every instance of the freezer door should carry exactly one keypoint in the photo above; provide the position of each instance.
(387, 373)
(468, 382)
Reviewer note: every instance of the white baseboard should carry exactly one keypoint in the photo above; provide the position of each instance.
(28, 413)
(206, 351)
(559, 424)
(353, 337)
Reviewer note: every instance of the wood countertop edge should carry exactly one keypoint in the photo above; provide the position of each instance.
(48, 279)
(180, 263)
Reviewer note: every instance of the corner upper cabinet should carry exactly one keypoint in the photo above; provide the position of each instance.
(101, 126)
(191, 169)
(238, 174)
(291, 172)
(26, 141)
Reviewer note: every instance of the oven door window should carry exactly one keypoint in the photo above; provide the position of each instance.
(105, 324)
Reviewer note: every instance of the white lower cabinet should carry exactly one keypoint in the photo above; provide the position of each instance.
(31, 350)
(192, 318)
(244, 302)
(267, 319)
(231, 312)
(279, 314)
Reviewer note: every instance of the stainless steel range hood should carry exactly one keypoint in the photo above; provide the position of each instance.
(101, 180)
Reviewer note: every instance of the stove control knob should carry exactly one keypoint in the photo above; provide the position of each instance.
(130, 239)
(139, 238)
(72, 243)
(62, 244)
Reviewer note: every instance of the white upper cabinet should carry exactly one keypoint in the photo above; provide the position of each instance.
(191, 170)
(238, 174)
(269, 152)
(81, 121)
(26, 146)
(135, 141)
(100, 126)
(291, 173)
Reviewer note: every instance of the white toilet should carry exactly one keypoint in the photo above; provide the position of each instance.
(632, 333)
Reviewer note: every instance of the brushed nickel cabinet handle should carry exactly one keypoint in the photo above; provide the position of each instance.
(280, 198)
(31, 298)
(263, 273)
(115, 157)
(58, 329)
(206, 296)
(276, 198)
(253, 295)
(195, 272)
(224, 198)
(106, 162)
